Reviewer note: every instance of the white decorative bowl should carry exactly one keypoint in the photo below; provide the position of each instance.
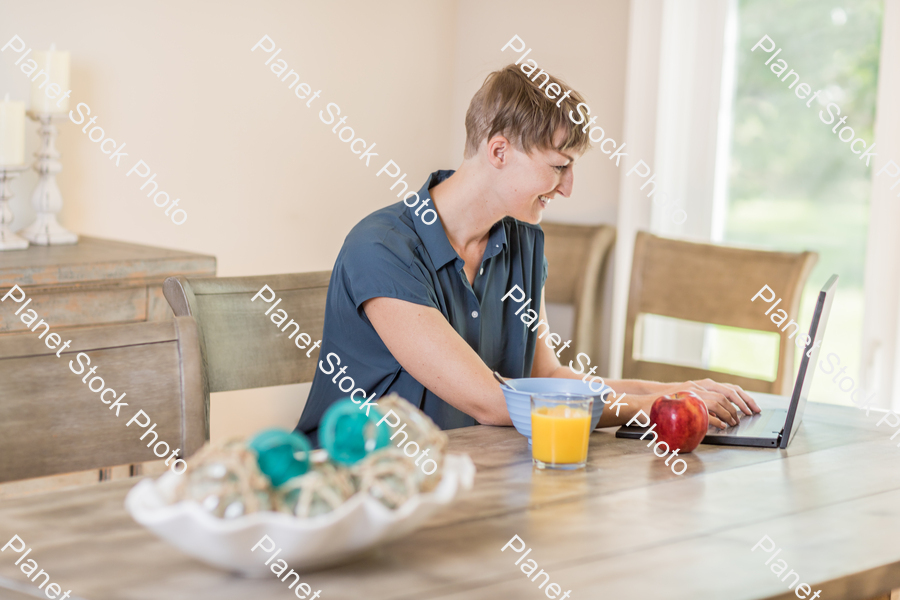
(353, 528)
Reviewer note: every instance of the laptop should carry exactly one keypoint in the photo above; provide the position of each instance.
(772, 428)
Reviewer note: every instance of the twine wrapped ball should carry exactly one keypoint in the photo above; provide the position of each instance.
(388, 476)
(320, 491)
(225, 480)
(423, 433)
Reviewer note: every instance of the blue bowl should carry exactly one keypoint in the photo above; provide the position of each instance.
(518, 402)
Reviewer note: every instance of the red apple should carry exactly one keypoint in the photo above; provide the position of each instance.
(681, 420)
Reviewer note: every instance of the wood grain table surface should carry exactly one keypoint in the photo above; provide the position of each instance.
(624, 527)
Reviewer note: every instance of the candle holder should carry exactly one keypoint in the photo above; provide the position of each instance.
(47, 199)
(8, 239)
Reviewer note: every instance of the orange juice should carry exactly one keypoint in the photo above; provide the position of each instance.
(559, 434)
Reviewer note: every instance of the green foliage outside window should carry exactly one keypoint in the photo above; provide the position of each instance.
(793, 185)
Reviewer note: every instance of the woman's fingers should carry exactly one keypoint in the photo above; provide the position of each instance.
(714, 420)
(734, 394)
(736, 398)
(722, 408)
(722, 399)
(750, 401)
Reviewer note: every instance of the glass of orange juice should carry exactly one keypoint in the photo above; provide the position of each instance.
(560, 428)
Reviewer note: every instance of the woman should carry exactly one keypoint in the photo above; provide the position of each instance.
(415, 305)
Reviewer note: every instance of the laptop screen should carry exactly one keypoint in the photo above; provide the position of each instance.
(804, 374)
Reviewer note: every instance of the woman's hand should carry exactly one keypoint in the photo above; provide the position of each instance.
(720, 399)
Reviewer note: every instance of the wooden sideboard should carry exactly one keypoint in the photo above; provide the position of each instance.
(95, 281)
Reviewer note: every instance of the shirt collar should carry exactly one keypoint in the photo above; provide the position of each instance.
(435, 238)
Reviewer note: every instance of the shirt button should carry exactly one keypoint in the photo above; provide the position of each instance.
(474, 314)
(481, 272)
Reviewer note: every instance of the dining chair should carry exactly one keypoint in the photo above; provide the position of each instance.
(51, 422)
(577, 256)
(241, 347)
(710, 283)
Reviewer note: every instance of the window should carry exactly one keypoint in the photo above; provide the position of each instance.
(792, 184)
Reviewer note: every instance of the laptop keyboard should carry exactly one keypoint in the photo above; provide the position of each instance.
(758, 423)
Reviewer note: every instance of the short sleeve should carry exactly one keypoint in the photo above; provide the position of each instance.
(373, 269)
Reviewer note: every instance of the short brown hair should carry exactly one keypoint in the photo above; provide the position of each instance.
(510, 104)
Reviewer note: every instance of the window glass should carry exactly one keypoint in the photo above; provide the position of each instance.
(793, 183)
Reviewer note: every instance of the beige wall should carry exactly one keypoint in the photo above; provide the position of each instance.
(267, 186)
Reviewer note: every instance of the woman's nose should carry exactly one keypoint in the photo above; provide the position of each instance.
(568, 181)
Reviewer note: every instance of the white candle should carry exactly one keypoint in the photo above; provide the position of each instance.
(48, 88)
(12, 132)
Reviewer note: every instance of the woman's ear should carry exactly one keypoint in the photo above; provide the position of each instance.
(498, 150)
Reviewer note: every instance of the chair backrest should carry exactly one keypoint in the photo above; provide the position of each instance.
(577, 255)
(51, 422)
(708, 283)
(242, 347)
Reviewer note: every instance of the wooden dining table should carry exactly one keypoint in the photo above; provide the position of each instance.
(623, 527)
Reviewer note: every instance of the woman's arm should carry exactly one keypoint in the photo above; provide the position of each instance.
(546, 364)
(720, 398)
(430, 350)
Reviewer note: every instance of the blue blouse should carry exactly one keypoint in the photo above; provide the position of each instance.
(392, 253)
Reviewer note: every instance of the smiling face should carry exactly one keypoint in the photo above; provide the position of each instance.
(528, 182)
(513, 130)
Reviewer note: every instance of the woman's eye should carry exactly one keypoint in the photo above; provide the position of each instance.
(560, 168)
